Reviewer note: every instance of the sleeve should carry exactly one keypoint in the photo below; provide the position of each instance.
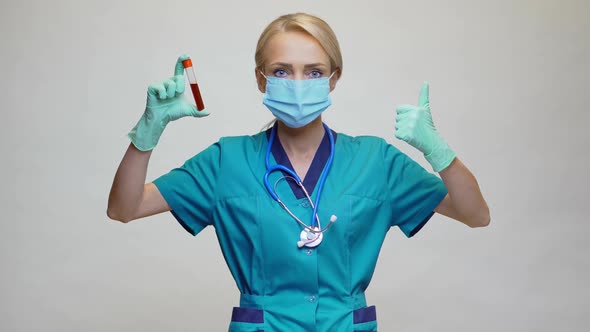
(190, 189)
(414, 193)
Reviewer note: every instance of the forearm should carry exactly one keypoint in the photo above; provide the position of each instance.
(467, 202)
(128, 185)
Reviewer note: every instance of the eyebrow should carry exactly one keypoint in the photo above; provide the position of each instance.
(288, 65)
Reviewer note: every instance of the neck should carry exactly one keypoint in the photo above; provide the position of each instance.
(301, 141)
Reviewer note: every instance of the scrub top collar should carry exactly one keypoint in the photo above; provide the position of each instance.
(315, 169)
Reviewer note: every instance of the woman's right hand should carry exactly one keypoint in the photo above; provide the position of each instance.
(166, 99)
(165, 103)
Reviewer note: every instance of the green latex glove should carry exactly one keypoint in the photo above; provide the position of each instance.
(414, 125)
(165, 103)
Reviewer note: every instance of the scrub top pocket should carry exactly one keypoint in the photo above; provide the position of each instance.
(247, 320)
(365, 319)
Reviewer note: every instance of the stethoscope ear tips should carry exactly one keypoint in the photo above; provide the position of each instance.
(333, 218)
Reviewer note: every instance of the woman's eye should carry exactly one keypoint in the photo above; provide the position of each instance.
(280, 73)
(315, 74)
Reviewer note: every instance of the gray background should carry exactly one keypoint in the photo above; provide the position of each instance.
(508, 92)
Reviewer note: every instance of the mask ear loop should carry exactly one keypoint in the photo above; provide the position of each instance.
(265, 78)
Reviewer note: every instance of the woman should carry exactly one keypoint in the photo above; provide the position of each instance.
(301, 256)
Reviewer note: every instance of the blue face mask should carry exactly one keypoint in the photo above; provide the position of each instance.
(297, 102)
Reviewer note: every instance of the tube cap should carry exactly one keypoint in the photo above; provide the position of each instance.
(187, 63)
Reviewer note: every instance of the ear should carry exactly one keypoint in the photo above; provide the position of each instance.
(334, 79)
(260, 80)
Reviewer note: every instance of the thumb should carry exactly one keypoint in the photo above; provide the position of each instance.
(424, 100)
(198, 114)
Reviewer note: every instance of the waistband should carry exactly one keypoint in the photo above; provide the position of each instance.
(351, 302)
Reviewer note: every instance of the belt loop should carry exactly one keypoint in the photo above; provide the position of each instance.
(251, 301)
(359, 301)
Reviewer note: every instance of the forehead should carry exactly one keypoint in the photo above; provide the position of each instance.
(295, 47)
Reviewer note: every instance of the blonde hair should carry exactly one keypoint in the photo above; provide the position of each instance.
(312, 25)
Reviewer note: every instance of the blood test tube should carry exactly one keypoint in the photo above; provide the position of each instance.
(192, 79)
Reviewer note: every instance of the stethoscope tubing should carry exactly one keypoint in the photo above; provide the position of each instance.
(321, 180)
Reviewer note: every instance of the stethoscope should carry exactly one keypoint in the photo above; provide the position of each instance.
(311, 235)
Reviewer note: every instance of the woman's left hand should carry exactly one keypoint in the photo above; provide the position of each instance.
(414, 125)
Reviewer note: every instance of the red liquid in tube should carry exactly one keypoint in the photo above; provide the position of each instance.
(197, 95)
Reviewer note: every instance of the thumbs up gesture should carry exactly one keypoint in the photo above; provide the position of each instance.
(414, 125)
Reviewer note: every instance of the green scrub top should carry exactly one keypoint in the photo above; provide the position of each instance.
(370, 187)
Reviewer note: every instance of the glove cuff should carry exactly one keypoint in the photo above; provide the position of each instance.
(146, 134)
(440, 157)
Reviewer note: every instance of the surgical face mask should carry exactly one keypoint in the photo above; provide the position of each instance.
(297, 102)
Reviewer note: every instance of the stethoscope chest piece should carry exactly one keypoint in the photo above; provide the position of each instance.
(310, 238)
